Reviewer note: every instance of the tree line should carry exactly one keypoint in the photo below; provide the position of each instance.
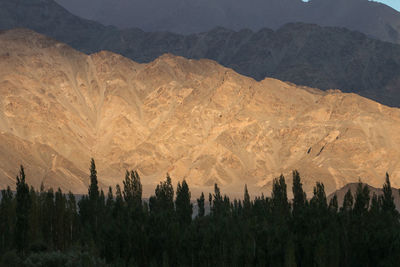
(118, 228)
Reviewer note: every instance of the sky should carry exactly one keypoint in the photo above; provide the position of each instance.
(393, 3)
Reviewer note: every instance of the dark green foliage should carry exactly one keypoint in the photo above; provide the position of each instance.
(161, 232)
(361, 204)
(133, 189)
(387, 199)
(246, 202)
(280, 204)
(333, 204)
(183, 207)
(200, 205)
(299, 196)
(23, 205)
(7, 219)
(93, 187)
(163, 201)
(347, 202)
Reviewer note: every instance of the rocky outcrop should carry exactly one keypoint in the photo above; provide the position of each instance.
(195, 119)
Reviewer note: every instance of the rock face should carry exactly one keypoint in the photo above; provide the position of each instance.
(192, 16)
(192, 118)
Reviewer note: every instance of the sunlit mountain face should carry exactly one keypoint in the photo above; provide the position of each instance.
(199, 133)
(193, 119)
(305, 54)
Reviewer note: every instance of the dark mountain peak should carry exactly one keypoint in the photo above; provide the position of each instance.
(373, 18)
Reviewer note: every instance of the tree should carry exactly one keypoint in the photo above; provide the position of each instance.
(217, 202)
(375, 205)
(280, 202)
(48, 216)
(73, 220)
(360, 239)
(299, 196)
(347, 202)
(200, 205)
(280, 235)
(246, 202)
(133, 189)
(93, 187)
(163, 233)
(333, 204)
(299, 220)
(319, 201)
(59, 220)
(184, 208)
(163, 201)
(362, 198)
(7, 219)
(22, 212)
(387, 200)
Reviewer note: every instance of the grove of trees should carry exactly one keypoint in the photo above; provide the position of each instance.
(119, 228)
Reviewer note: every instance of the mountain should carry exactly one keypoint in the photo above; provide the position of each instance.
(193, 16)
(49, 18)
(353, 188)
(195, 119)
(310, 55)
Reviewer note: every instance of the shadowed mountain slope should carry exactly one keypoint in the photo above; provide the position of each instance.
(353, 188)
(192, 16)
(192, 118)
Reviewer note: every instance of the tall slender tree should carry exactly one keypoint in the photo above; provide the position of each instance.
(133, 189)
(247, 205)
(387, 199)
(183, 206)
(200, 205)
(93, 187)
(22, 212)
(348, 202)
(299, 196)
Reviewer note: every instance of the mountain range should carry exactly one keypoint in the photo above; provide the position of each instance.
(193, 16)
(194, 119)
(305, 54)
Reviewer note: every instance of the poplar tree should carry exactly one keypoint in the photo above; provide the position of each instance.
(22, 212)
(200, 205)
(7, 219)
(93, 187)
(132, 190)
(299, 196)
(183, 206)
(246, 202)
(387, 199)
(347, 202)
(299, 219)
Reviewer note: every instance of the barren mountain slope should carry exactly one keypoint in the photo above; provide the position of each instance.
(305, 54)
(194, 119)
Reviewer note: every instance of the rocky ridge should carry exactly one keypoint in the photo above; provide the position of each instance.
(192, 16)
(305, 54)
(195, 119)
